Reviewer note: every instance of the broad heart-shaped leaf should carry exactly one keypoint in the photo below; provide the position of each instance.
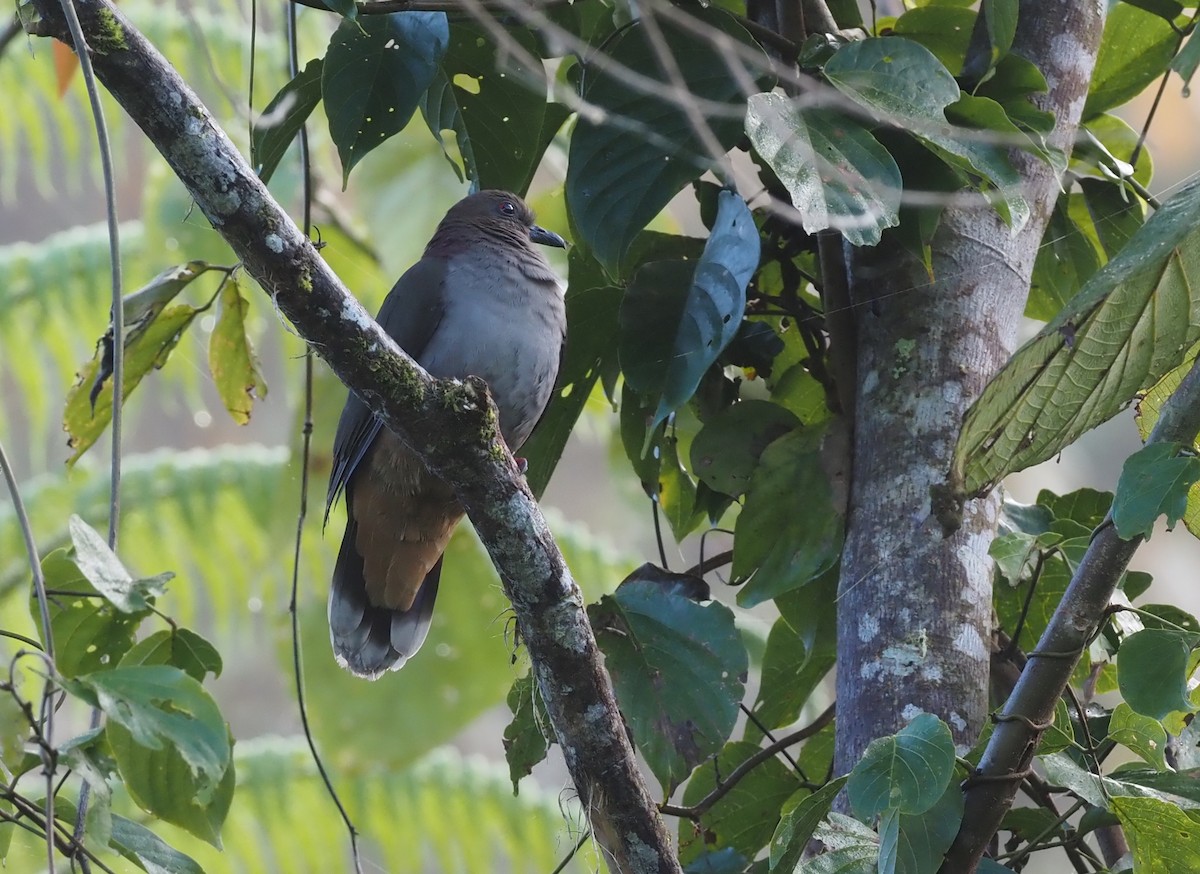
(1129, 325)
(273, 131)
(902, 83)
(726, 451)
(908, 771)
(745, 817)
(162, 707)
(679, 669)
(491, 101)
(1162, 838)
(1137, 47)
(788, 531)
(837, 173)
(802, 814)
(376, 70)
(625, 164)
(231, 358)
(676, 320)
(1154, 482)
(1152, 671)
(101, 567)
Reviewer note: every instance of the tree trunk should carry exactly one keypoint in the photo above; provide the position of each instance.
(914, 609)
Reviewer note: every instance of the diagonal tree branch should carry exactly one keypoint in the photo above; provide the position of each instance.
(451, 424)
(1010, 751)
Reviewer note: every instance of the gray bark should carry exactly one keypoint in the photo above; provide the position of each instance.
(915, 603)
(451, 425)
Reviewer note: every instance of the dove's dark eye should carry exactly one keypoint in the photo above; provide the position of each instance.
(508, 207)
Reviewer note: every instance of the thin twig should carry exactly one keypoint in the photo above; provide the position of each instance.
(561, 866)
(704, 804)
(305, 452)
(83, 52)
(39, 588)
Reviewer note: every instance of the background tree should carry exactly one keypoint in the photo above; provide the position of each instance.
(809, 353)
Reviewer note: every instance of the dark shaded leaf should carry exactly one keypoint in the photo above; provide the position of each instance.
(147, 850)
(624, 167)
(528, 736)
(726, 451)
(1137, 47)
(277, 125)
(801, 650)
(788, 531)
(802, 814)
(679, 669)
(375, 73)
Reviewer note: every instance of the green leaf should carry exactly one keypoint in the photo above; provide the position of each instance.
(851, 848)
(152, 332)
(1137, 47)
(944, 30)
(745, 817)
(903, 84)
(231, 358)
(147, 850)
(1061, 734)
(1152, 670)
(89, 632)
(624, 166)
(801, 650)
(528, 737)
(1148, 408)
(676, 490)
(837, 173)
(273, 131)
(180, 647)
(1001, 20)
(1186, 62)
(788, 531)
(375, 72)
(908, 771)
(1162, 838)
(1155, 482)
(161, 706)
(1166, 9)
(101, 567)
(164, 784)
(1129, 325)
(490, 99)
(922, 839)
(802, 813)
(679, 669)
(676, 319)
(1141, 734)
(726, 451)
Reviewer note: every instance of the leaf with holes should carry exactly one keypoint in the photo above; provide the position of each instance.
(627, 162)
(101, 567)
(679, 669)
(490, 99)
(1131, 324)
(528, 737)
(1162, 838)
(837, 173)
(375, 73)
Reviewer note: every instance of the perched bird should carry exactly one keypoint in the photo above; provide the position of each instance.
(482, 301)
